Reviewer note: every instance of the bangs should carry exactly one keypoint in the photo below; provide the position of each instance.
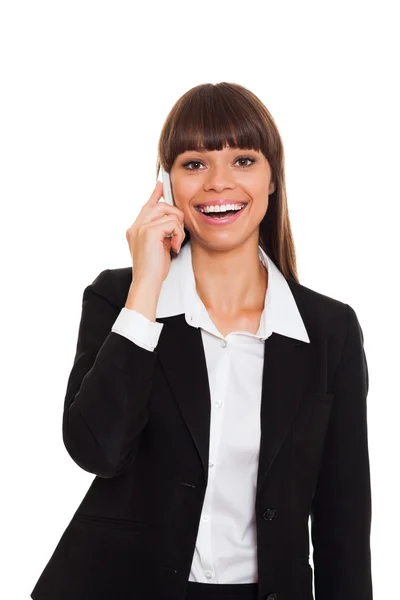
(212, 117)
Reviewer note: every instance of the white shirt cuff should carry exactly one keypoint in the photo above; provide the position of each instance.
(137, 328)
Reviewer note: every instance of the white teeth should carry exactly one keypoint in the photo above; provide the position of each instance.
(222, 208)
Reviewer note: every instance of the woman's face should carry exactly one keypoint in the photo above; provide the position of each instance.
(233, 175)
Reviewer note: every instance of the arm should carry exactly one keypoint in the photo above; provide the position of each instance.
(341, 508)
(106, 403)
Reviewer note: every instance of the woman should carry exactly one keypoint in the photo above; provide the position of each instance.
(218, 401)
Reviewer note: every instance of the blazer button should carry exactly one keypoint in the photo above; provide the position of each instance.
(268, 515)
(271, 597)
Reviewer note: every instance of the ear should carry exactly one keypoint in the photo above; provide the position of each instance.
(272, 187)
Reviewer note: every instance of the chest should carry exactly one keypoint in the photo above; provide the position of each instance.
(249, 322)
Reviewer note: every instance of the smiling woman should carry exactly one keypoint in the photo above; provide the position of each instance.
(219, 402)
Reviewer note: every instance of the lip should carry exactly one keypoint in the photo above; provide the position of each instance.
(221, 220)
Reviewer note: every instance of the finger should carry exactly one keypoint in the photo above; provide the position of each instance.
(159, 209)
(173, 230)
(156, 195)
(169, 227)
(162, 208)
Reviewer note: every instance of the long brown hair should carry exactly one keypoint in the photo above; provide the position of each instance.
(213, 116)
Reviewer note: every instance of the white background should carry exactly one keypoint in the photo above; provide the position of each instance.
(85, 89)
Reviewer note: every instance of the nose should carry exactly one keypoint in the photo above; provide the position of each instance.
(219, 178)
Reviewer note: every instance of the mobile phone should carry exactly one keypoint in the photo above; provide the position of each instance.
(167, 191)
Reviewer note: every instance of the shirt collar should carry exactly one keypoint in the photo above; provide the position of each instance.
(178, 295)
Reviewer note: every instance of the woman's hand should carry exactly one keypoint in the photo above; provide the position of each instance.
(148, 244)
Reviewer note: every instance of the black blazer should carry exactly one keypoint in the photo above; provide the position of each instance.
(140, 422)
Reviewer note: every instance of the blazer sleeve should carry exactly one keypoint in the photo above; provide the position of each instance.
(341, 507)
(108, 389)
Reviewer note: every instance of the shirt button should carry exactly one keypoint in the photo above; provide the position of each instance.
(223, 343)
(210, 464)
(204, 518)
(208, 574)
(219, 404)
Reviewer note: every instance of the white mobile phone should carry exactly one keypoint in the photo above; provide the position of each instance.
(167, 191)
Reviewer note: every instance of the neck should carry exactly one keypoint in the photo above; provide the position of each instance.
(232, 281)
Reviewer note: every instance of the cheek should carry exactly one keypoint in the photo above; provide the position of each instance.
(184, 191)
(261, 193)
(260, 205)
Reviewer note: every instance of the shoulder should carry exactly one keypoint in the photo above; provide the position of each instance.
(113, 285)
(322, 313)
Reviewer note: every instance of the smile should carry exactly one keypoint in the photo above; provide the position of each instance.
(221, 218)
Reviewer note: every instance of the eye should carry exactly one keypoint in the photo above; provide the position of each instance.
(241, 158)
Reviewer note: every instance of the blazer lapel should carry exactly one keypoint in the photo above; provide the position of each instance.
(286, 365)
(181, 354)
(287, 362)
